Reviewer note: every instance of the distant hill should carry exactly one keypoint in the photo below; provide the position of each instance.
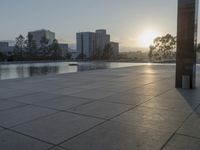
(133, 49)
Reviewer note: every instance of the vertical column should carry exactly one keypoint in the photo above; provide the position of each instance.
(186, 41)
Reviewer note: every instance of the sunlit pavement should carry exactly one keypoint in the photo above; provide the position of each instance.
(115, 109)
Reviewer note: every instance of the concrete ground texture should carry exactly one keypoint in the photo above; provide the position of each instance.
(133, 108)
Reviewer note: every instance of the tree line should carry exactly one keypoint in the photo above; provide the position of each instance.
(27, 49)
(99, 54)
(163, 49)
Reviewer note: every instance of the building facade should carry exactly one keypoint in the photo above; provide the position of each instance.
(5, 48)
(4, 44)
(102, 38)
(115, 49)
(86, 44)
(91, 43)
(64, 49)
(39, 34)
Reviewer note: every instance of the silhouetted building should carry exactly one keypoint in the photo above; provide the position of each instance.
(101, 39)
(64, 49)
(39, 34)
(74, 55)
(115, 49)
(90, 44)
(86, 44)
(4, 44)
(5, 48)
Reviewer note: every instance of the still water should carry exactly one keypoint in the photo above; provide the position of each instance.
(12, 71)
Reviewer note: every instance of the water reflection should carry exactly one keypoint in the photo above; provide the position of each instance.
(11, 71)
(35, 71)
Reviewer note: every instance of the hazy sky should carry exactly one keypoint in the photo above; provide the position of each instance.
(125, 20)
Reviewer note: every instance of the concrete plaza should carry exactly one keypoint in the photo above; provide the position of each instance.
(133, 108)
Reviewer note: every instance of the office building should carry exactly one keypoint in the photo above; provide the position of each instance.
(39, 34)
(86, 44)
(4, 44)
(115, 49)
(101, 39)
(91, 43)
(5, 48)
(64, 49)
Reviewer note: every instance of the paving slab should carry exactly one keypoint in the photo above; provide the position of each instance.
(12, 117)
(94, 85)
(93, 94)
(179, 142)
(66, 91)
(14, 141)
(171, 104)
(153, 118)
(5, 104)
(58, 128)
(116, 88)
(63, 103)
(148, 91)
(101, 109)
(197, 111)
(35, 98)
(116, 136)
(1, 129)
(189, 95)
(192, 126)
(6, 93)
(58, 148)
(127, 98)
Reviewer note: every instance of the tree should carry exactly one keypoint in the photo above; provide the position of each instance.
(107, 52)
(68, 56)
(97, 54)
(81, 56)
(163, 48)
(19, 47)
(55, 50)
(2, 56)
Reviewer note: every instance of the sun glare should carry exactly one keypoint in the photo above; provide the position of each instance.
(146, 38)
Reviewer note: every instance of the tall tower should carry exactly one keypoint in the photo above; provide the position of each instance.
(186, 41)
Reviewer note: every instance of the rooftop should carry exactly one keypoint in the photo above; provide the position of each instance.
(115, 109)
(42, 30)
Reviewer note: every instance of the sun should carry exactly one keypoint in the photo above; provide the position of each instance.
(146, 38)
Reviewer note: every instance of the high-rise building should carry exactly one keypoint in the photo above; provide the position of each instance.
(101, 39)
(39, 34)
(91, 43)
(86, 44)
(115, 49)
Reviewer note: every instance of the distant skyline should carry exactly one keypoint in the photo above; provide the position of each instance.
(132, 23)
